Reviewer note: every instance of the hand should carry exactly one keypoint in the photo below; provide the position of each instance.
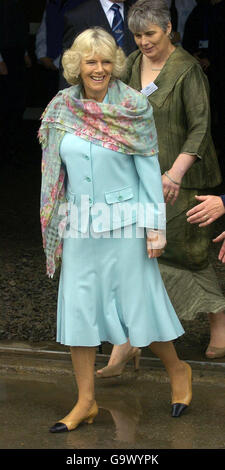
(3, 68)
(170, 189)
(156, 242)
(210, 209)
(47, 62)
(221, 255)
(181, 165)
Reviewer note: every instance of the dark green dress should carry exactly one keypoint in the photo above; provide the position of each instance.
(182, 117)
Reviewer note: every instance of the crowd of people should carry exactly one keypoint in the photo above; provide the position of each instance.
(198, 25)
(131, 88)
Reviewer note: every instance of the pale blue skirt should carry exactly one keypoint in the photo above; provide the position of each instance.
(109, 290)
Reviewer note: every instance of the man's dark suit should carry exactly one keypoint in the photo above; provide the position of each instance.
(87, 15)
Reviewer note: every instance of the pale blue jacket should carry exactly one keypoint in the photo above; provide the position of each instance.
(110, 188)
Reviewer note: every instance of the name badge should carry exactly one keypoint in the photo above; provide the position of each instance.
(149, 89)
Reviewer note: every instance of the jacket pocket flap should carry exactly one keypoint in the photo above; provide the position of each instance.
(119, 195)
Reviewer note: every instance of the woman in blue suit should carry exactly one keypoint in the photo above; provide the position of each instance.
(102, 211)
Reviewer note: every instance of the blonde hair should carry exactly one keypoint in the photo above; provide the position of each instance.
(88, 43)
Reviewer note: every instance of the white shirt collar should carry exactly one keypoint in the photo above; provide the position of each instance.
(106, 5)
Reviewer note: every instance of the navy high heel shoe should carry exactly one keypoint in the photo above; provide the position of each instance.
(178, 406)
(89, 418)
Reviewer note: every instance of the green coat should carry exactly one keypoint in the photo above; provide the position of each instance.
(182, 117)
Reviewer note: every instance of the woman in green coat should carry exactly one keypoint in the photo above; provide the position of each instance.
(178, 91)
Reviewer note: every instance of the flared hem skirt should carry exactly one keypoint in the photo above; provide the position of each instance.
(109, 291)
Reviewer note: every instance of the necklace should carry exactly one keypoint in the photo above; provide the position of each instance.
(158, 69)
(153, 69)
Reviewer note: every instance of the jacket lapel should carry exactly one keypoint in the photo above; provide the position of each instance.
(177, 64)
(95, 13)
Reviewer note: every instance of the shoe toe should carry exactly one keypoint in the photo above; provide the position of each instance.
(177, 409)
(59, 427)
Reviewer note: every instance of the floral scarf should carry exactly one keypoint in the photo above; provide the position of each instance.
(124, 124)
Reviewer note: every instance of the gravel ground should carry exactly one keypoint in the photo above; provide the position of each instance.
(28, 297)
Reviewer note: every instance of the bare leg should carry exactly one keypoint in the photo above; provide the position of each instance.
(83, 359)
(118, 354)
(217, 332)
(175, 368)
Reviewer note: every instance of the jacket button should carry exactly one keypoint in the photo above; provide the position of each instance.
(88, 179)
(120, 198)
